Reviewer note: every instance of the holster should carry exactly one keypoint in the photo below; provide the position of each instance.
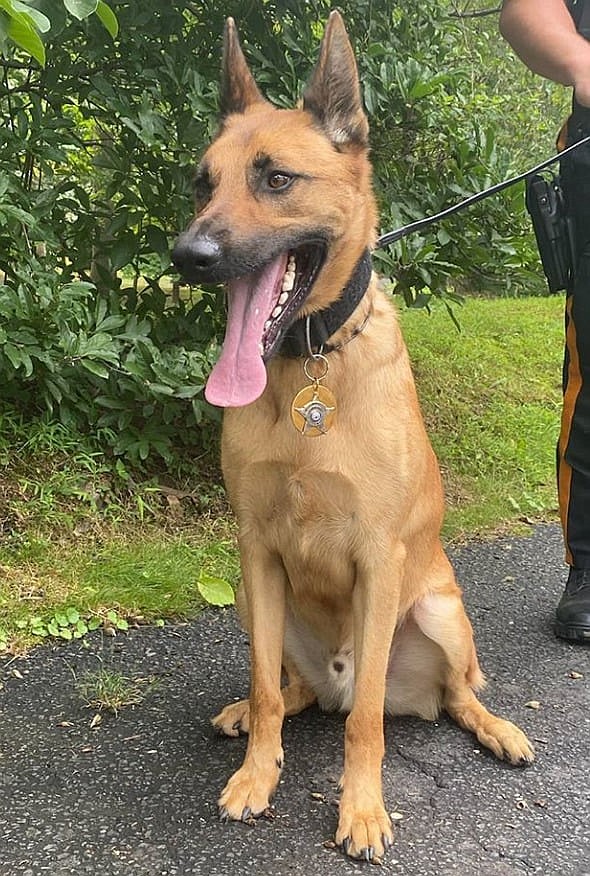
(553, 229)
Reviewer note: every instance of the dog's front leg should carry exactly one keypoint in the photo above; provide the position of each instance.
(364, 827)
(249, 790)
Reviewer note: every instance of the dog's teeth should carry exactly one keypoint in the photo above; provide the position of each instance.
(267, 324)
(291, 260)
(283, 298)
(276, 312)
(288, 282)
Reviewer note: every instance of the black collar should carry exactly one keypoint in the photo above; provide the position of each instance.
(324, 323)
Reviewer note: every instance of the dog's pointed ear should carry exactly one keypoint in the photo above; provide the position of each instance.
(333, 95)
(238, 89)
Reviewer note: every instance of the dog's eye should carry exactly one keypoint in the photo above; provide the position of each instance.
(202, 190)
(279, 180)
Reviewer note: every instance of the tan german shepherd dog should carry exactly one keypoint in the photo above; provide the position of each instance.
(346, 593)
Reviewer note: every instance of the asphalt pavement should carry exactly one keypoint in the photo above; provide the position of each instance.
(135, 793)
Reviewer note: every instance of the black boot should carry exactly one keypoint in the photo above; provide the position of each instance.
(572, 618)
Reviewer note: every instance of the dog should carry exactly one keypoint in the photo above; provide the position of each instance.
(346, 593)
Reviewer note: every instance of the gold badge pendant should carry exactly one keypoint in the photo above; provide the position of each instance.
(314, 407)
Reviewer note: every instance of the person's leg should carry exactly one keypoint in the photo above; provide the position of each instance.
(572, 620)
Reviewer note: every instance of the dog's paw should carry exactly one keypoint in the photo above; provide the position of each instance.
(248, 793)
(365, 832)
(233, 719)
(507, 741)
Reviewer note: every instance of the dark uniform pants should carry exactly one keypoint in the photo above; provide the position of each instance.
(573, 449)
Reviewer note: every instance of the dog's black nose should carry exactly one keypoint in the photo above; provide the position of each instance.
(194, 253)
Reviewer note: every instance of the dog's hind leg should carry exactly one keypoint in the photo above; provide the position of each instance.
(297, 696)
(441, 617)
(249, 790)
(364, 827)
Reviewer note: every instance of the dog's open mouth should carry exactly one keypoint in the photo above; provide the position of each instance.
(261, 307)
(302, 268)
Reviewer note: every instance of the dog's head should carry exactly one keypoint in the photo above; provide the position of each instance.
(284, 208)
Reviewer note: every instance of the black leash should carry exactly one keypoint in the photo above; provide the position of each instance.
(393, 236)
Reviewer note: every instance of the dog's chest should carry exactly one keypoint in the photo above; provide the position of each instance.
(310, 517)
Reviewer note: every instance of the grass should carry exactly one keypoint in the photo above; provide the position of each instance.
(110, 691)
(142, 573)
(82, 550)
(491, 399)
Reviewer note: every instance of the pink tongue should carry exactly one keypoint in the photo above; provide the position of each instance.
(239, 377)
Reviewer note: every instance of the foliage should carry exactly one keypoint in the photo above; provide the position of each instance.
(433, 86)
(94, 361)
(106, 109)
(24, 24)
(214, 590)
(66, 624)
(86, 175)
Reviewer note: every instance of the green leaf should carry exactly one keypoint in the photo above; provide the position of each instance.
(96, 368)
(61, 620)
(121, 624)
(81, 9)
(54, 390)
(27, 362)
(72, 615)
(160, 389)
(215, 591)
(41, 22)
(23, 34)
(66, 634)
(94, 623)
(188, 391)
(113, 404)
(123, 251)
(52, 628)
(157, 240)
(108, 18)
(13, 355)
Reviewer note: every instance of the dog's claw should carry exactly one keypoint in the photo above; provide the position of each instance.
(387, 841)
(246, 814)
(368, 853)
(523, 761)
(223, 815)
(346, 844)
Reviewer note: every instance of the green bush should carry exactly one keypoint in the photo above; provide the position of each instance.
(100, 366)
